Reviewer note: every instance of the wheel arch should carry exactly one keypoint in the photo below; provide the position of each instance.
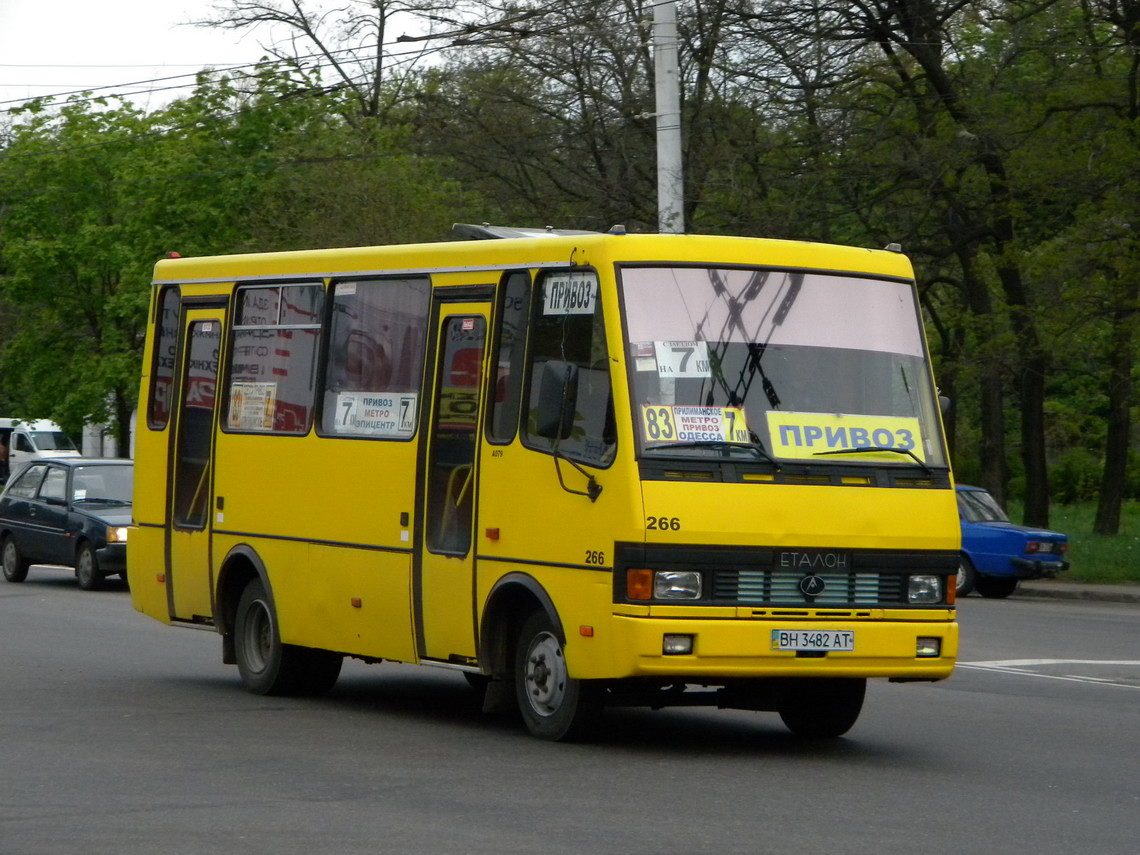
(241, 565)
(509, 602)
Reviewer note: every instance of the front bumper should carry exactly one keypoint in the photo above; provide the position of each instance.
(743, 649)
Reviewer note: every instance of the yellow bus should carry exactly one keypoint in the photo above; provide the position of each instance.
(583, 469)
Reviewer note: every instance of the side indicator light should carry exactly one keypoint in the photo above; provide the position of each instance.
(492, 534)
(951, 590)
(357, 602)
(586, 631)
(161, 577)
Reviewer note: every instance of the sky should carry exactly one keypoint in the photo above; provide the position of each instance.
(56, 46)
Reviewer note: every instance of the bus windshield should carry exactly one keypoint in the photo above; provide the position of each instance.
(779, 365)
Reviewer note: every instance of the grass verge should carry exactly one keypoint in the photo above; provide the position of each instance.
(1097, 557)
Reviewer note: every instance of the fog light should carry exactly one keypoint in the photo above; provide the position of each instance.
(676, 585)
(677, 645)
(928, 648)
(924, 589)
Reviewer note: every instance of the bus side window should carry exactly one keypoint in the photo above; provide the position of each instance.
(567, 326)
(165, 353)
(273, 367)
(509, 352)
(376, 358)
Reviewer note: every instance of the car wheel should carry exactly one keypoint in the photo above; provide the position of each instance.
(267, 666)
(87, 568)
(822, 708)
(996, 587)
(15, 565)
(553, 704)
(967, 578)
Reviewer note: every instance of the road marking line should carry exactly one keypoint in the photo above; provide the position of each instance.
(1019, 663)
(1001, 668)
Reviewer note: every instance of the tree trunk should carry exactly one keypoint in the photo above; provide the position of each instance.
(122, 423)
(1120, 362)
(991, 402)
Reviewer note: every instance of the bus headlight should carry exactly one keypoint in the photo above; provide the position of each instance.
(117, 534)
(924, 589)
(676, 585)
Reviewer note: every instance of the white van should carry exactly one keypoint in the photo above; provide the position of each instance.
(34, 440)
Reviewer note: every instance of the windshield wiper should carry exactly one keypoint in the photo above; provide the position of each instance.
(106, 499)
(872, 448)
(722, 445)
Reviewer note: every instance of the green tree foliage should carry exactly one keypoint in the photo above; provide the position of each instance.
(92, 194)
(995, 139)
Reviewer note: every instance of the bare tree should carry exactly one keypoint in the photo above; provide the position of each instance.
(352, 43)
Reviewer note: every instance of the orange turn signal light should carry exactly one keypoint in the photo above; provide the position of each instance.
(639, 584)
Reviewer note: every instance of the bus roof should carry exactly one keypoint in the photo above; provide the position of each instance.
(549, 249)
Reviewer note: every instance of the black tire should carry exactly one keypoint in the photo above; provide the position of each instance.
(267, 666)
(996, 587)
(822, 708)
(967, 577)
(87, 571)
(553, 704)
(15, 565)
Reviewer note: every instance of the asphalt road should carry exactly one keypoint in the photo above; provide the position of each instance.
(119, 735)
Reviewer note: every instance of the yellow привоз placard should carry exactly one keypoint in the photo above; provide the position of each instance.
(802, 436)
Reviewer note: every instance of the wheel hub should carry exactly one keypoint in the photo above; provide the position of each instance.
(545, 675)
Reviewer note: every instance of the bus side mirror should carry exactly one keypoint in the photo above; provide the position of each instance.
(557, 400)
(944, 404)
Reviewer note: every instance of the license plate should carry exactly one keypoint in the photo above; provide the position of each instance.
(813, 639)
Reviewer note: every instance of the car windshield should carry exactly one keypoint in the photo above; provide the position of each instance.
(106, 483)
(52, 440)
(779, 364)
(979, 506)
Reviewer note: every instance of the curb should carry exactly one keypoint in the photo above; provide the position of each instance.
(1065, 591)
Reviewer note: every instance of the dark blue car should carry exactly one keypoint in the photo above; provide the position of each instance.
(996, 553)
(73, 511)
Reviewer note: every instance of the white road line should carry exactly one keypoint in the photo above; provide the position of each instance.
(1021, 663)
(1018, 667)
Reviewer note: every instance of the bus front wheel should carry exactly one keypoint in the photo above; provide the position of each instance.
(553, 704)
(822, 708)
(267, 666)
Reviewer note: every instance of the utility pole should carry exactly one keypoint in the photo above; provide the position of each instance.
(667, 86)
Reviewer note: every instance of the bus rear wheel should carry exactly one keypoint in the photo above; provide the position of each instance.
(553, 704)
(822, 708)
(267, 666)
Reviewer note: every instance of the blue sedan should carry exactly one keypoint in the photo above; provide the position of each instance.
(73, 511)
(996, 553)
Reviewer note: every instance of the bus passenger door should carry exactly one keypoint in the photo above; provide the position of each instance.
(188, 572)
(445, 593)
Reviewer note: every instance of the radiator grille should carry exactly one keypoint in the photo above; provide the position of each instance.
(765, 587)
